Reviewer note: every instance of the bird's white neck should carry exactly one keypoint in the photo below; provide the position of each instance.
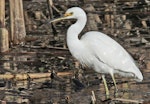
(74, 31)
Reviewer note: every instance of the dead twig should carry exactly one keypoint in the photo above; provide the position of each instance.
(93, 98)
(128, 100)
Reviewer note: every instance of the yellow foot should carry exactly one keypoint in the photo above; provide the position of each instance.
(106, 87)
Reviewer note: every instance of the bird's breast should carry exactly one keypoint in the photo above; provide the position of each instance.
(81, 53)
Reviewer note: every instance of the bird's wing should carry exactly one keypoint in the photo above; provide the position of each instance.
(108, 51)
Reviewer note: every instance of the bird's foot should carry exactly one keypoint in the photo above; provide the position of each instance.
(107, 97)
(116, 93)
(107, 94)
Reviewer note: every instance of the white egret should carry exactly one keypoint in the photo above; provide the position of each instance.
(97, 50)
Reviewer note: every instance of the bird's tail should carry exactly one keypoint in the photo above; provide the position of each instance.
(138, 75)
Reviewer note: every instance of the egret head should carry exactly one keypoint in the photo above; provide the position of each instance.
(72, 13)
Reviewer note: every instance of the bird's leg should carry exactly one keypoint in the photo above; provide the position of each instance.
(106, 87)
(116, 89)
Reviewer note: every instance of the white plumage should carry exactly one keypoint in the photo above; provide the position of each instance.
(98, 50)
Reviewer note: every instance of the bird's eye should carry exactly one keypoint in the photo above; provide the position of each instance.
(68, 14)
(71, 13)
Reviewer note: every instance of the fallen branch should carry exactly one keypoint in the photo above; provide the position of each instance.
(26, 76)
